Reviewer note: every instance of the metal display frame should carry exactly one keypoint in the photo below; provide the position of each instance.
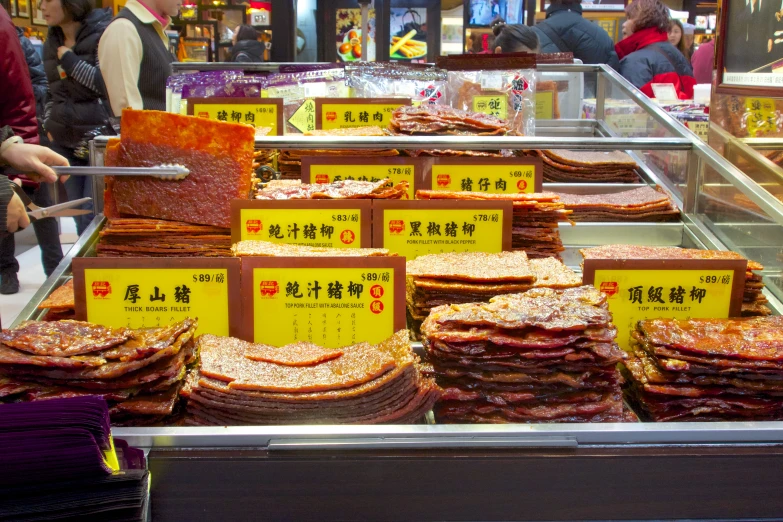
(243, 452)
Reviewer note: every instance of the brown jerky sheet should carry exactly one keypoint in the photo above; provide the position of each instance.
(473, 266)
(706, 369)
(641, 204)
(139, 372)
(219, 156)
(441, 119)
(583, 158)
(566, 166)
(245, 383)
(347, 189)
(255, 248)
(134, 237)
(61, 299)
(540, 356)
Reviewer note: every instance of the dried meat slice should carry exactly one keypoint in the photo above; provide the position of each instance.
(63, 338)
(61, 299)
(267, 249)
(473, 266)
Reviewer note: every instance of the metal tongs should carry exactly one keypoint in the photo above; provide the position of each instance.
(166, 172)
(60, 210)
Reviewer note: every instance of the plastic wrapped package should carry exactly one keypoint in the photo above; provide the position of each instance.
(390, 80)
(296, 88)
(178, 83)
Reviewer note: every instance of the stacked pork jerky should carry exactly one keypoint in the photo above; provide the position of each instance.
(60, 304)
(440, 119)
(136, 237)
(641, 204)
(470, 277)
(753, 301)
(253, 248)
(139, 372)
(244, 383)
(581, 166)
(536, 218)
(707, 369)
(347, 189)
(540, 356)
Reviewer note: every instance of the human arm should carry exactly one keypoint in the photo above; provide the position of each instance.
(120, 53)
(37, 75)
(29, 159)
(17, 104)
(636, 70)
(81, 71)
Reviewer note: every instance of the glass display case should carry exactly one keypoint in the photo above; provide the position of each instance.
(515, 471)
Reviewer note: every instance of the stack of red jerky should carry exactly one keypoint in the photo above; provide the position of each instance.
(440, 119)
(241, 383)
(470, 277)
(139, 372)
(707, 369)
(540, 356)
(535, 221)
(641, 204)
(582, 166)
(753, 300)
(136, 237)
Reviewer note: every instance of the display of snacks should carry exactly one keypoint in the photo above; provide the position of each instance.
(135, 237)
(535, 218)
(753, 300)
(139, 372)
(581, 166)
(540, 356)
(706, 369)
(346, 189)
(641, 204)
(442, 120)
(219, 156)
(241, 383)
(470, 277)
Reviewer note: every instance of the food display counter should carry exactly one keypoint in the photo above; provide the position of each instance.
(718, 470)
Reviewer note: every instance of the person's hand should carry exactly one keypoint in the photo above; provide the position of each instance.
(61, 51)
(34, 160)
(17, 215)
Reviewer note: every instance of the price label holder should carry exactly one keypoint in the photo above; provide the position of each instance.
(330, 301)
(347, 113)
(258, 112)
(416, 228)
(664, 288)
(148, 292)
(320, 169)
(488, 175)
(315, 223)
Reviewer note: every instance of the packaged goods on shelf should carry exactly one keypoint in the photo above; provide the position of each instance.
(624, 117)
(707, 369)
(139, 372)
(641, 204)
(241, 383)
(540, 356)
(421, 84)
(437, 120)
(471, 277)
(535, 218)
(753, 301)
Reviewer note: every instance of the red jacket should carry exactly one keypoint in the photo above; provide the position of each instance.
(17, 102)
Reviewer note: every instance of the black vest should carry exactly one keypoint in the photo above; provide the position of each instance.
(75, 109)
(155, 64)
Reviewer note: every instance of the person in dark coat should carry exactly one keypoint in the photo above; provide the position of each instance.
(565, 31)
(246, 47)
(646, 56)
(76, 103)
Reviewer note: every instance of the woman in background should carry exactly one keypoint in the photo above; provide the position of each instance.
(676, 38)
(514, 38)
(246, 47)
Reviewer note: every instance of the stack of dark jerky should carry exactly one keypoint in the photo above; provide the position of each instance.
(136, 237)
(242, 383)
(427, 119)
(346, 189)
(540, 356)
(582, 166)
(753, 301)
(60, 462)
(139, 372)
(535, 221)
(641, 204)
(471, 277)
(707, 369)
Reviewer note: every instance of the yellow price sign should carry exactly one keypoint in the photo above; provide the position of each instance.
(144, 293)
(699, 128)
(679, 289)
(488, 175)
(258, 112)
(416, 228)
(348, 113)
(331, 224)
(762, 116)
(316, 169)
(332, 302)
(545, 105)
(493, 105)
